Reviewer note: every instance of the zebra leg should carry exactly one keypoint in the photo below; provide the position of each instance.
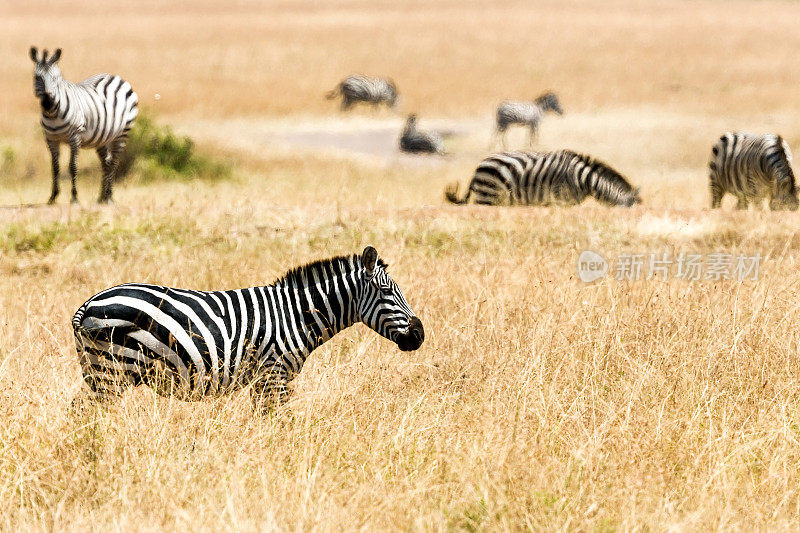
(533, 136)
(716, 196)
(270, 391)
(741, 203)
(74, 146)
(54, 153)
(104, 156)
(108, 177)
(503, 134)
(103, 382)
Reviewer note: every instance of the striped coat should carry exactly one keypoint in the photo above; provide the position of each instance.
(752, 168)
(413, 140)
(549, 178)
(95, 113)
(358, 88)
(527, 114)
(194, 344)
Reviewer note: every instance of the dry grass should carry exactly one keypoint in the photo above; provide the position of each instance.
(536, 401)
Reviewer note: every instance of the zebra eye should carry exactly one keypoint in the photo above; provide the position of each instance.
(386, 290)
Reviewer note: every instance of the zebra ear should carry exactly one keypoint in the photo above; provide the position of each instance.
(369, 257)
(56, 56)
(34, 54)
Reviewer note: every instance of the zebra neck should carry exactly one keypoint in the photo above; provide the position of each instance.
(310, 314)
(55, 105)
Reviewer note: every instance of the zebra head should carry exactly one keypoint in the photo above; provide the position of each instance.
(634, 198)
(383, 307)
(549, 102)
(785, 198)
(46, 75)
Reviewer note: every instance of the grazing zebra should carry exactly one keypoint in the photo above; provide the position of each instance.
(193, 344)
(95, 113)
(416, 141)
(551, 178)
(752, 168)
(358, 88)
(526, 114)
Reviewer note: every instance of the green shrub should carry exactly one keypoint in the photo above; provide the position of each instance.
(155, 152)
(8, 159)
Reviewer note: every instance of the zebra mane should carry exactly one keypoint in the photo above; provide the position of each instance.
(302, 274)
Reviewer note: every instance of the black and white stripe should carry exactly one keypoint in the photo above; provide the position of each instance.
(194, 344)
(525, 114)
(95, 113)
(752, 168)
(551, 178)
(358, 88)
(413, 140)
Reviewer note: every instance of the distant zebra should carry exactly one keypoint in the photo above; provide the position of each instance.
(194, 344)
(358, 88)
(95, 113)
(752, 168)
(415, 141)
(525, 114)
(551, 178)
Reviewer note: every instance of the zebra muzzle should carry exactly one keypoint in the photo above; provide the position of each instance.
(413, 337)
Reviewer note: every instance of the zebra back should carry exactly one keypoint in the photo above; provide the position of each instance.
(753, 167)
(546, 178)
(414, 140)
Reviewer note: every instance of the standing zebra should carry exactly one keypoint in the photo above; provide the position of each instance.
(95, 113)
(551, 178)
(526, 114)
(752, 168)
(358, 88)
(416, 141)
(194, 343)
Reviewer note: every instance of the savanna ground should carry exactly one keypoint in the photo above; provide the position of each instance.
(537, 401)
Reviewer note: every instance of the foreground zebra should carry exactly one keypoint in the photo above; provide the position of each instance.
(358, 88)
(752, 168)
(194, 343)
(525, 114)
(552, 178)
(95, 113)
(415, 141)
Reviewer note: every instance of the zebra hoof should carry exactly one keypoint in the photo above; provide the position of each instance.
(51, 201)
(105, 201)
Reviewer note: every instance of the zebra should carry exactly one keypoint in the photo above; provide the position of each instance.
(194, 344)
(525, 113)
(416, 141)
(95, 113)
(359, 88)
(752, 168)
(563, 177)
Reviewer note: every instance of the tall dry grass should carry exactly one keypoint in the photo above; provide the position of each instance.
(536, 401)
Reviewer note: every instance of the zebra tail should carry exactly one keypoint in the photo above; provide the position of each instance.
(330, 95)
(451, 194)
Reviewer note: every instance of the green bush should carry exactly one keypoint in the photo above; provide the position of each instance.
(9, 159)
(155, 152)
